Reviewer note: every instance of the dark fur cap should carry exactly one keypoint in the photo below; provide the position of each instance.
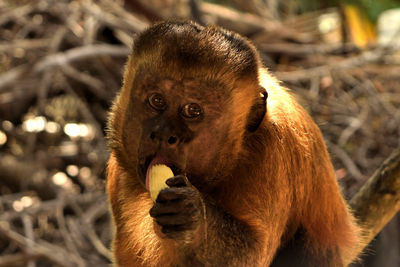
(190, 48)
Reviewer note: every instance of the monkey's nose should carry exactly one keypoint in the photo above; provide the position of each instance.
(172, 140)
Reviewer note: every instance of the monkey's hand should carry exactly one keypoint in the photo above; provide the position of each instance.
(179, 210)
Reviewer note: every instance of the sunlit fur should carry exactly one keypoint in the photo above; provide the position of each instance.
(279, 179)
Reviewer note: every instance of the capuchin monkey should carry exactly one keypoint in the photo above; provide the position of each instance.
(251, 180)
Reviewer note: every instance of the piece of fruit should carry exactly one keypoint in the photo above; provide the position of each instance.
(158, 175)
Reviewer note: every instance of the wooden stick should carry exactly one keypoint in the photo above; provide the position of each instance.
(379, 199)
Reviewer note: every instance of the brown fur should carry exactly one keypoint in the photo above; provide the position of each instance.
(260, 188)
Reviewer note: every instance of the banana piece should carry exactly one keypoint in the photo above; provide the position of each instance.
(158, 175)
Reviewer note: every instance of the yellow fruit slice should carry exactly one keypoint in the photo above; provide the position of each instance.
(158, 175)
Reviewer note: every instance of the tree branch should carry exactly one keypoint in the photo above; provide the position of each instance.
(379, 199)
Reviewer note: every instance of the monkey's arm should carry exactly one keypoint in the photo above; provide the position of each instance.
(205, 232)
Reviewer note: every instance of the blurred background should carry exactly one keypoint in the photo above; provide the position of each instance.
(61, 63)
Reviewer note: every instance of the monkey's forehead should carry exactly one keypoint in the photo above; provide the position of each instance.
(189, 47)
(194, 88)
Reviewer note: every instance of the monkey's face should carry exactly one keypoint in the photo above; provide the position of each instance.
(181, 123)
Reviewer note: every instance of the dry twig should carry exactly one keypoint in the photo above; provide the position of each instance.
(379, 199)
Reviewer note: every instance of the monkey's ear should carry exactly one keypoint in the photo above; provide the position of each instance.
(257, 111)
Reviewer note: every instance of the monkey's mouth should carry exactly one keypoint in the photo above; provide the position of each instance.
(150, 161)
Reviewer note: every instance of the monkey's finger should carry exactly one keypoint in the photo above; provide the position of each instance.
(157, 211)
(176, 181)
(160, 209)
(172, 193)
(176, 219)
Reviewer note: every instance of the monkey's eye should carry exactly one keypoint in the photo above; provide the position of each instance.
(191, 110)
(157, 101)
